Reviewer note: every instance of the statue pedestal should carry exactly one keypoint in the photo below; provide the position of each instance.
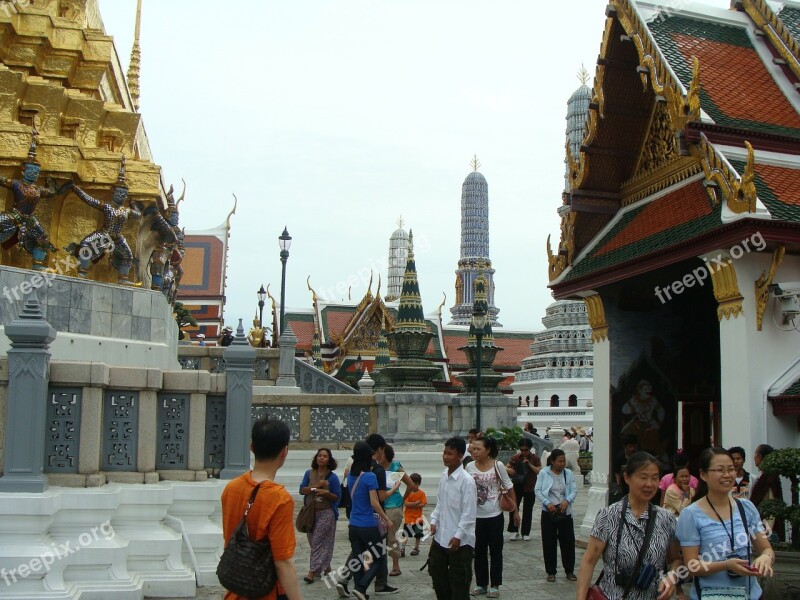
(497, 411)
(413, 417)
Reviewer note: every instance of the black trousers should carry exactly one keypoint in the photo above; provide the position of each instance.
(366, 540)
(562, 534)
(489, 537)
(382, 574)
(525, 502)
(451, 572)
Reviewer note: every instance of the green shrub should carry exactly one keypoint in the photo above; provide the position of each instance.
(786, 463)
(507, 438)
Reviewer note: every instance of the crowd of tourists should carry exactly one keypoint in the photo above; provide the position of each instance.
(700, 537)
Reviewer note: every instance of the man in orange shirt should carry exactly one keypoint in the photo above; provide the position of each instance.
(272, 514)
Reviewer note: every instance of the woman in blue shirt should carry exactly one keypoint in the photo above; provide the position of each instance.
(365, 538)
(321, 486)
(556, 490)
(718, 548)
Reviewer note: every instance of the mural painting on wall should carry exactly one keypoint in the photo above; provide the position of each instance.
(643, 405)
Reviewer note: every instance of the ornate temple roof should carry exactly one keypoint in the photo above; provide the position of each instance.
(714, 112)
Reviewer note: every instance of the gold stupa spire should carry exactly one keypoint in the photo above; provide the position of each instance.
(583, 75)
(134, 69)
(475, 164)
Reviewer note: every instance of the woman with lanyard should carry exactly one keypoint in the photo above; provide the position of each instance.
(727, 530)
(556, 490)
(635, 539)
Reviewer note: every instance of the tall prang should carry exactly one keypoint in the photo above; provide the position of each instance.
(398, 256)
(410, 338)
(474, 249)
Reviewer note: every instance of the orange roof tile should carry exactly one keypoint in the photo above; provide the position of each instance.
(784, 182)
(675, 208)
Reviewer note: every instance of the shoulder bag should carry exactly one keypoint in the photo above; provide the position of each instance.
(246, 567)
(304, 522)
(382, 529)
(507, 498)
(727, 593)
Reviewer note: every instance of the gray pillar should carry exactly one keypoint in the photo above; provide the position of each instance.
(26, 416)
(239, 358)
(287, 343)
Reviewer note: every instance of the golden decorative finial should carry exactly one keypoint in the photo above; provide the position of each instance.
(583, 75)
(378, 291)
(475, 162)
(233, 212)
(134, 68)
(400, 222)
(410, 244)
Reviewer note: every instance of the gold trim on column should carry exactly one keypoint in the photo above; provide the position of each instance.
(597, 317)
(726, 290)
(763, 283)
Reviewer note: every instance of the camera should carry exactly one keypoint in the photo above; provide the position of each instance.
(733, 556)
(644, 580)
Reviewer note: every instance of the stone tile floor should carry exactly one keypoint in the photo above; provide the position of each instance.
(523, 568)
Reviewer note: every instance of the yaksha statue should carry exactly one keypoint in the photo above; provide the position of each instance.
(20, 225)
(165, 261)
(109, 238)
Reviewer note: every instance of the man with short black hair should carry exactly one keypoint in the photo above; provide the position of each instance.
(741, 485)
(453, 526)
(272, 513)
(472, 435)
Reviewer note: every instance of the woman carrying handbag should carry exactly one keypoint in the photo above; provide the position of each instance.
(556, 491)
(635, 539)
(491, 480)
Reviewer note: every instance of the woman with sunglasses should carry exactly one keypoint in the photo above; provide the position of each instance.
(727, 530)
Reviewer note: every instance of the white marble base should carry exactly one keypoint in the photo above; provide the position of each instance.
(108, 542)
(597, 500)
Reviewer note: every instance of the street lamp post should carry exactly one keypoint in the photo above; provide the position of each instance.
(478, 323)
(262, 296)
(284, 241)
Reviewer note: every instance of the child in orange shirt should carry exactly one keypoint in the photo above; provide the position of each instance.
(412, 515)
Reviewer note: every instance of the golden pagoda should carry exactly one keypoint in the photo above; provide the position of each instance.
(60, 78)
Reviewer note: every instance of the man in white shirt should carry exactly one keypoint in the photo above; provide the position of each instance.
(453, 526)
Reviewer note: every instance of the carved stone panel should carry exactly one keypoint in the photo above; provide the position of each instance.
(288, 414)
(339, 423)
(120, 430)
(261, 369)
(172, 441)
(62, 437)
(190, 363)
(215, 433)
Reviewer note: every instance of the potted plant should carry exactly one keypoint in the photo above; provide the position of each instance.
(507, 438)
(786, 463)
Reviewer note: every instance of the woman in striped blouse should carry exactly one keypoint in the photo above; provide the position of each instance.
(619, 532)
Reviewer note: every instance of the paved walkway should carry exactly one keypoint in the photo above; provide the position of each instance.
(523, 568)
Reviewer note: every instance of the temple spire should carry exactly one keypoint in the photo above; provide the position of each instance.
(475, 164)
(583, 75)
(134, 69)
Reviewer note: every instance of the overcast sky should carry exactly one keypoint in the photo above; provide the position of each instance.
(334, 118)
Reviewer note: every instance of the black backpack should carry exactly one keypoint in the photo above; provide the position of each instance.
(246, 567)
